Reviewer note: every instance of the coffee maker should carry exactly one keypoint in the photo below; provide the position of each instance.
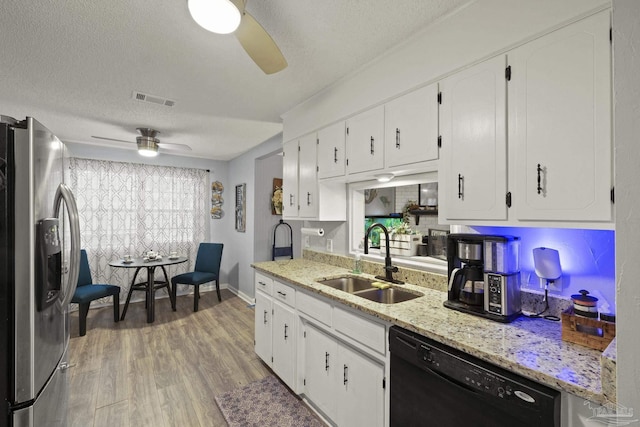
(484, 277)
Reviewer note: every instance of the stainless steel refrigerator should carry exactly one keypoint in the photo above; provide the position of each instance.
(39, 262)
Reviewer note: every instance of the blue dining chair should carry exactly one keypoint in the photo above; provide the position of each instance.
(207, 269)
(87, 291)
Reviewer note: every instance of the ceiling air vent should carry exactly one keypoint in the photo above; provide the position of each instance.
(145, 97)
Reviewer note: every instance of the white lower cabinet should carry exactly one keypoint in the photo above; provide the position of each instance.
(284, 343)
(334, 355)
(344, 384)
(321, 370)
(360, 394)
(263, 326)
(275, 330)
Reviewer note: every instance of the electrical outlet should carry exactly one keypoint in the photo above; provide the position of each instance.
(329, 245)
(556, 286)
(307, 241)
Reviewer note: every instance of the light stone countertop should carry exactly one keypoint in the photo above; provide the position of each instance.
(530, 347)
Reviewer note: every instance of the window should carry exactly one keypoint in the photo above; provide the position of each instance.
(129, 208)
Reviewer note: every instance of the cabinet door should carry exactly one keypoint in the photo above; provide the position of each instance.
(411, 127)
(321, 367)
(284, 346)
(365, 145)
(290, 179)
(560, 123)
(474, 152)
(263, 327)
(360, 393)
(307, 177)
(331, 155)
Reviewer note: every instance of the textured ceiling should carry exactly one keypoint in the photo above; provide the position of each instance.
(74, 65)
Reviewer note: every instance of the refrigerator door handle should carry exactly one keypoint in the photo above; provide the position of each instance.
(63, 193)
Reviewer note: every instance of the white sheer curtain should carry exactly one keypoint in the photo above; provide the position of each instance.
(130, 208)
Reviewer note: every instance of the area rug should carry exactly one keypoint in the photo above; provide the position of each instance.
(265, 403)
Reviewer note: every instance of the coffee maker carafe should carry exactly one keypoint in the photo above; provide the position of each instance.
(466, 283)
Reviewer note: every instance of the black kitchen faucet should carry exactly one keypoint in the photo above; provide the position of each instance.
(388, 268)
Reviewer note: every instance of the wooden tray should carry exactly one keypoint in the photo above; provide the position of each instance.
(592, 333)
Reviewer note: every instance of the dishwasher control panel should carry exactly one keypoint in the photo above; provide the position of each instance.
(466, 373)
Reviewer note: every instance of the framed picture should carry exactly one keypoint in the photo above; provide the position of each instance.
(276, 197)
(241, 208)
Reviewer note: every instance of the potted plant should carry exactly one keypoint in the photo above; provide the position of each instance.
(402, 240)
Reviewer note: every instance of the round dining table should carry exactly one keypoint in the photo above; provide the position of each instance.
(151, 285)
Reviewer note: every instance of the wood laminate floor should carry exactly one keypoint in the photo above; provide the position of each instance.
(165, 373)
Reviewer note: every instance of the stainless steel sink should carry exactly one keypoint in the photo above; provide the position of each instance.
(362, 287)
(388, 295)
(348, 284)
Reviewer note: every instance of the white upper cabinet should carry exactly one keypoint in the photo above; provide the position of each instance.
(331, 151)
(560, 123)
(473, 168)
(308, 177)
(290, 179)
(365, 141)
(304, 197)
(299, 181)
(411, 127)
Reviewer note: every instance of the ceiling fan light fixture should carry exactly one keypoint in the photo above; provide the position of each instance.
(217, 16)
(147, 147)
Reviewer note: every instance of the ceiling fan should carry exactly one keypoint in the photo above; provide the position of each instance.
(148, 144)
(231, 16)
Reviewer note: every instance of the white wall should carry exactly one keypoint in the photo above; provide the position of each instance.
(626, 65)
(267, 169)
(239, 247)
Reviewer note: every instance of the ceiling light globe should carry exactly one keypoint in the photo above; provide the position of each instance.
(217, 16)
(147, 152)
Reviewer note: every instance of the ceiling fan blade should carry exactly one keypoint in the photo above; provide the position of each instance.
(173, 147)
(259, 45)
(112, 139)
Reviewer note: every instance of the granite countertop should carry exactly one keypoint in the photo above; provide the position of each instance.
(530, 347)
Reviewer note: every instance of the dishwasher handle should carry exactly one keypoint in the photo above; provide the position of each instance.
(451, 381)
(409, 343)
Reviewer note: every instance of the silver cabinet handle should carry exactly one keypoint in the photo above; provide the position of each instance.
(291, 199)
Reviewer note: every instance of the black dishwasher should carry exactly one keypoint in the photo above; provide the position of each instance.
(432, 384)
